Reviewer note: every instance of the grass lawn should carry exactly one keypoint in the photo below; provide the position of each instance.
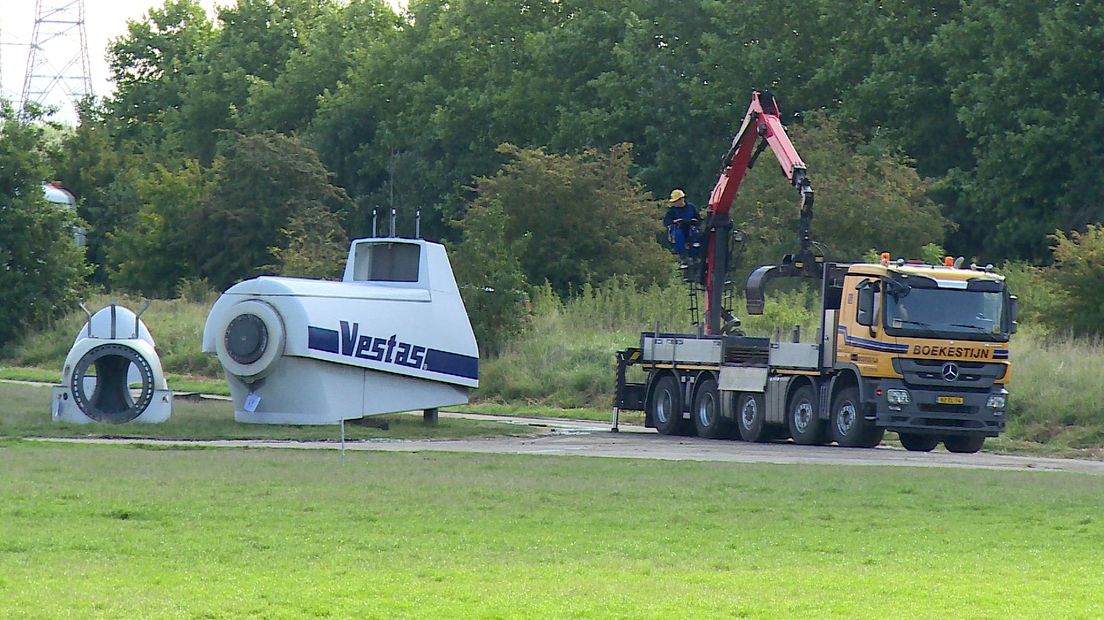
(25, 412)
(220, 533)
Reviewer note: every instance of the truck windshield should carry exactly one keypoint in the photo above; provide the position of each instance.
(946, 313)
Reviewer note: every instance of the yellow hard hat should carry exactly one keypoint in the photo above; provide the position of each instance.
(677, 194)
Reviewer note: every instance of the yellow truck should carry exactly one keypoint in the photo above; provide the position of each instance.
(920, 350)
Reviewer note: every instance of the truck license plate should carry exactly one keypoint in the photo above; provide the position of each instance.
(950, 400)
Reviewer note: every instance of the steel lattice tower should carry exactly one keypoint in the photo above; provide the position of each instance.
(58, 58)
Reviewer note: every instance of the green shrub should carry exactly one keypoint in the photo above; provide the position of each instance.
(42, 270)
(1079, 272)
(1040, 296)
(569, 219)
(196, 290)
(490, 278)
(315, 245)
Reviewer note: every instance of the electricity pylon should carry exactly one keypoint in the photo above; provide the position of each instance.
(58, 58)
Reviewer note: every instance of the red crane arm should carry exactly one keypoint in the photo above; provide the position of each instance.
(761, 121)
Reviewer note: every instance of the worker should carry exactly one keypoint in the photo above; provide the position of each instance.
(682, 222)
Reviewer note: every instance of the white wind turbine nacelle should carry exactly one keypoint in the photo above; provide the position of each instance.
(392, 336)
(112, 373)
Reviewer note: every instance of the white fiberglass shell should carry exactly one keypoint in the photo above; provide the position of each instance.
(393, 335)
(112, 373)
(58, 195)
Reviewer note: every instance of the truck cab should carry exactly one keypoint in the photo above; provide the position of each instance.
(927, 349)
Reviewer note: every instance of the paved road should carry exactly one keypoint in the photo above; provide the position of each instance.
(592, 439)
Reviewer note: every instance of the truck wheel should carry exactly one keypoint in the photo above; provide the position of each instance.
(667, 406)
(849, 428)
(806, 427)
(964, 444)
(751, 415)
(915, 442)
(707, 412)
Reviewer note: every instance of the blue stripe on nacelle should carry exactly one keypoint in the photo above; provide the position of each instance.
(453, 364)
(321, 339)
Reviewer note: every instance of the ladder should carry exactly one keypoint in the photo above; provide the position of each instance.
(695, 311)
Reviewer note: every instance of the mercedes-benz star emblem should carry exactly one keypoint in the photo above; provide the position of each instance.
(950, 371)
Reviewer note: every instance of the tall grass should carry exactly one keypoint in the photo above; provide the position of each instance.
(1057, 389)
(176, 326)
(566, 358)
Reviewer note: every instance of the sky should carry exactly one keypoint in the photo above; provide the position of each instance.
(104, 21)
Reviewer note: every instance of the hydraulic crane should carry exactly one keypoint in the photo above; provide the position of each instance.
(919, 350)
(762, 128)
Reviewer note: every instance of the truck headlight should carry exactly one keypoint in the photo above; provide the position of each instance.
(898, 397)
(997, 401)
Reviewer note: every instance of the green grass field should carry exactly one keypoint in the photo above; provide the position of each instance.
(118, 532)
(25, 412)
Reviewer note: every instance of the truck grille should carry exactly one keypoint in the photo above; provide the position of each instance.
(928, 374)
(929, 408)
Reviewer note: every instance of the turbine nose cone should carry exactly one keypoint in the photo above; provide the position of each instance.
(246, 338)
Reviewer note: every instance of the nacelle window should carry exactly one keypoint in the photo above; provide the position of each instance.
(387, 262)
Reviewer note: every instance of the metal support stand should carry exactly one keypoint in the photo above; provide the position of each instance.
(429, 416)
(343, 442)
(619, 390)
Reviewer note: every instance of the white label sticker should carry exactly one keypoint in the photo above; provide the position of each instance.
(251, 402)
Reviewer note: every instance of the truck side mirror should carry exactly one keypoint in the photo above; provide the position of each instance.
(1013, 313)
(865, 309)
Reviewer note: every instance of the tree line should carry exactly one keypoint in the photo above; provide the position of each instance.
(259, 139)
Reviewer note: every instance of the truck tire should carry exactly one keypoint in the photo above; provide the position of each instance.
(849, 428)
(667, 407)
(708, 420)
(964, 444)
(806, 427)
(916, 442)
(751, 416)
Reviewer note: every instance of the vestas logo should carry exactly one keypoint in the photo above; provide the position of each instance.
(351, 343)
(388, 350)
